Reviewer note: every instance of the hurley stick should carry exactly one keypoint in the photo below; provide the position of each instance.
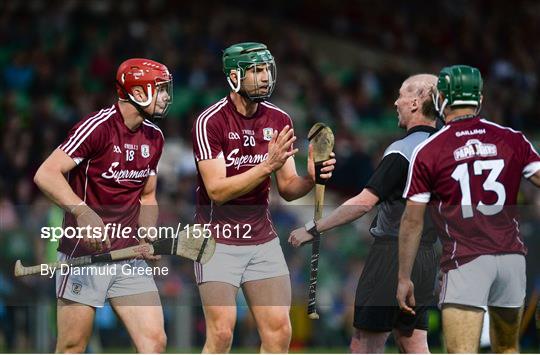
(322, 141)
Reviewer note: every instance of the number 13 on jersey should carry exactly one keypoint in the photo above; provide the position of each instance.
(461, 174)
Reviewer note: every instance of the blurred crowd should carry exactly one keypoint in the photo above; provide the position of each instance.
(57, 64)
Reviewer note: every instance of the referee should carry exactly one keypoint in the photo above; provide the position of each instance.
(376, 311)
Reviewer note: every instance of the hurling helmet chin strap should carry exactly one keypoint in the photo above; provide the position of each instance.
(478, 108)
(238, 84)
(439, 109)
(149, 97)
(138, 105)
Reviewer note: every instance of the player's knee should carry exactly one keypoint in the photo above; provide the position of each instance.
(152, 342)
(414, 342)
(368, 342)
(278, 331)
(221, 338)
(412, 346)
(160, 342)
(70, 346)
(283, 333)
(356, 346)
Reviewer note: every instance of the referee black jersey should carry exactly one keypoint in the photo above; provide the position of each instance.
(388, 182)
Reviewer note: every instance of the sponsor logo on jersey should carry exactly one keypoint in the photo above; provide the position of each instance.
(131, 146)
(268, 133)
(238, 161)
(471, 132)
(145, 150)
(234, 136)
(116, 149)
(122, 175)
(475, 148)
(249, 132)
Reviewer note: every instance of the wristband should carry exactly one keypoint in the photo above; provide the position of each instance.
(311, 228)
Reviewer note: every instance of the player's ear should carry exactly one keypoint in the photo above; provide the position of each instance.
(233, 76)
(139, 94)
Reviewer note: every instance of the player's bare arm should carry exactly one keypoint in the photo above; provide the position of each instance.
(149, 205)
(350, 210)
(535, 179)
(410, 233)
(148, 215)
(51, 181)
(222, 189)
(291, 186)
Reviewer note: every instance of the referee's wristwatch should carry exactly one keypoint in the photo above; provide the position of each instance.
(311, 228)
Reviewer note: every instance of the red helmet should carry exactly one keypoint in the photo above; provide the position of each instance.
(142, 72)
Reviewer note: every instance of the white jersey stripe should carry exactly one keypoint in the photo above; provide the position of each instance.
(90, 130)
(274, 107)
(200, 119)
(415, 152)
(198, 129)
(97, 115)
(150, 124)
(512, 130)
(82, 128)
(205, 131)
(531, 168)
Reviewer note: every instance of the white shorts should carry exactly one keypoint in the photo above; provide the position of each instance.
(93, 284)
(236, 264)
(489, 280)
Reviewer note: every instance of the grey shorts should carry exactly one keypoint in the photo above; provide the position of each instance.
(93, 284)
(236, 264)
(489, 280)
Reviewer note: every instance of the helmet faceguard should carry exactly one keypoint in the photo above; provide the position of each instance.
(151, 76)
(250, 56)
(458, 85)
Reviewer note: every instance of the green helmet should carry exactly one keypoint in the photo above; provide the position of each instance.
(460, 85)
(243, 56)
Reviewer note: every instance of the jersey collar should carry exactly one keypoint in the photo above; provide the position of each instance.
(422, 128)
(463, 119)
(257, 113)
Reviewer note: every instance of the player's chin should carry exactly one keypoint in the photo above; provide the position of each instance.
(261, 91)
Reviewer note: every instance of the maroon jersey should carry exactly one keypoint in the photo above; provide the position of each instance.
(113, 165)
(471, 171)
(221, 132)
